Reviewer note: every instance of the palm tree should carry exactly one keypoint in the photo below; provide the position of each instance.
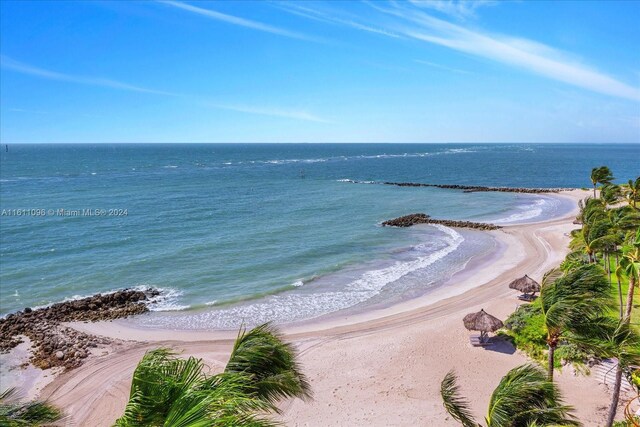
(601, 175)
(14, 414)
(269, 362)
(169, 391)
(609, 338)
(630, 265)
(632, 193)
(595, 224)
(524, 397)
(569, 300)
(611, 193)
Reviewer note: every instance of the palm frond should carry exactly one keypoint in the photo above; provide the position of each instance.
(525, 397)
(456, 405)
(262, 354)
(16, 413)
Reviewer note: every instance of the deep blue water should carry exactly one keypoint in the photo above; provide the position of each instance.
(214, 224)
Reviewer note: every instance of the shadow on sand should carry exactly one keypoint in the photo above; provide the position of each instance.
(500, 345)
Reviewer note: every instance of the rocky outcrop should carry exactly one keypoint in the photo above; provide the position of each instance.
(464, 188)
(57, 345)
(476, 188)
(420, 218)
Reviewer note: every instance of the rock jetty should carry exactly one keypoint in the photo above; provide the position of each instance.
(420, 218)
(54, 344)
(476, 188)
(464, 188)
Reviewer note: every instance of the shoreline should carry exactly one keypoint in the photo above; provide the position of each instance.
(390, 361)
(504, 239)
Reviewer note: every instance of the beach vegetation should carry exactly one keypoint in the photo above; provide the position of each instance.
(600, 175)
(262, 369)
(570, 300)
(612, 338)
(632, 192)
(524, 397)
(14, 413)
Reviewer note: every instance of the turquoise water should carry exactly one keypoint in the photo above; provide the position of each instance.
(262, 232)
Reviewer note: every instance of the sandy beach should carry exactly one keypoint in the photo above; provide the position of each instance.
(382, 367)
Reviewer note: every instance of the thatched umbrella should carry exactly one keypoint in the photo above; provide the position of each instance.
(483, 322)
(526, 285)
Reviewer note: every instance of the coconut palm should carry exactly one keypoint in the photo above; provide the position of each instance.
(170, 391)
(269, 362)
(524, 397)
(601, 175)
(569, 300)
(611, 193)
(630, 265)
(632, 192)
(14, 413)
(608, 338)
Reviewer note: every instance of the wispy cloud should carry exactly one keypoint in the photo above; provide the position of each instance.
(271, 111)
(516, 52)
(21, 67)
(325, 17)
(414, 23)
(442, 67)
(235, 20)
(456, 8)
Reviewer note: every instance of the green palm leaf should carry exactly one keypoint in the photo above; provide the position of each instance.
(271, 363)
(14, 413)
(525, 397)
(454, 403)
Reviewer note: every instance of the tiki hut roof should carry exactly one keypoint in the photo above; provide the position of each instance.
(525, 284)
(482, 321)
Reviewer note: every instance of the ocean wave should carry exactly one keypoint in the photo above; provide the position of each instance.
(357, 157)
(167, 300)
(526, 212)
(355, 181)
(297, 306)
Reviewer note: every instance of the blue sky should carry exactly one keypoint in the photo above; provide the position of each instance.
(336, 71)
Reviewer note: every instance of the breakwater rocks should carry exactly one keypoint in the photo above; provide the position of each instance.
(476, 188)
(464, 188)
(54, 344)
(420, 218)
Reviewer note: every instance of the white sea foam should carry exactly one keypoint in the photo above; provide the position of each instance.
(297, 283)
(295, 306)
(167, 300)
(525, 213)
(358, 157)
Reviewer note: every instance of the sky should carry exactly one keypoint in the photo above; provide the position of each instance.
(333, 71)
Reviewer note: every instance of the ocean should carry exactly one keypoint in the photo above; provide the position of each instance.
(257, 232)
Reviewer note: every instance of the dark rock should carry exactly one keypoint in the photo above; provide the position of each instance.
(468, 188)
(57, 345)
(420, 218)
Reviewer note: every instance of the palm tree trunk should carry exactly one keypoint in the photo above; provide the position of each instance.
(550, 360)
(594, 191)
(632, 286)
(615, 397)
(619, 289)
